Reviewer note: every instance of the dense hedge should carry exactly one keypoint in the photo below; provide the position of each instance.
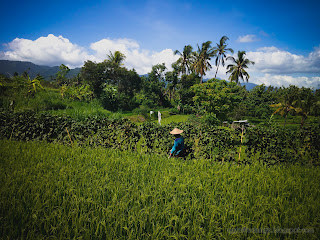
(275, 145)
(269, 145)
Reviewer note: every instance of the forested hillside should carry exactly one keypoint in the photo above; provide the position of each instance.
(10, 68)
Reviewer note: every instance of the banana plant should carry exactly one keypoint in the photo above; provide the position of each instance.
(33, 85)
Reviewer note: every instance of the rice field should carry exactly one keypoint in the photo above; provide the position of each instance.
(51, 191)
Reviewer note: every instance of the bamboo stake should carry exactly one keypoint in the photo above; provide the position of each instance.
(241, 143)
(69, 137)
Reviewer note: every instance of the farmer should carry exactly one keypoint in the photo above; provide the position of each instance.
(178, 147)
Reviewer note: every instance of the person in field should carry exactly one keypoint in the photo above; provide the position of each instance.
(178, 147)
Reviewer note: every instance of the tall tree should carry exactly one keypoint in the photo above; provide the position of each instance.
(217, 96)
(185, 61)
(220, 50)
(61, 75)
(306, 102)
(95, 75)
(238, 66)
(113, 65)
(116, 59)
(288, 100)
(202, 59)
(171, 83)
(154, 87)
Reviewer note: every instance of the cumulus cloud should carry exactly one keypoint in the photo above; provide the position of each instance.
(50, 50)
(53, 51)
(285, 80)
(279, 68)
(139, 59)
(247, 38)
(274, 60)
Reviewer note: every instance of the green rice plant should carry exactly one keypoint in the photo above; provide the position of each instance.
(52, 191)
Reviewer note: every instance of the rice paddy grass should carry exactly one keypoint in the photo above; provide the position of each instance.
(51, 191)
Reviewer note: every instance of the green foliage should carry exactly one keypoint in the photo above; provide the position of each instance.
(217, 96)
(202, 59)
(220, 52)
(307, 101)
(172, 81)
(108, 77)
(185, 61)
(116, 58)
(269, 145)
(210, 119)
(50, 191)
(277, 145)
(79, 93)
(185, 92)
(237, 68)
(109, 97)
(61, 75)
(27, 86)
(294, 100)
(95, 75)
(153, 87)
(259, 100)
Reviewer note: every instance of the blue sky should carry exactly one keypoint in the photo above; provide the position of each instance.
(282, 37)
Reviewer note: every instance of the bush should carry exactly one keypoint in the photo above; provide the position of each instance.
(269, 145)
(144, 111)
(54, 105)
(210, 119)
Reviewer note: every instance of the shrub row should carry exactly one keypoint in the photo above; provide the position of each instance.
(269, 145)
(276, 145)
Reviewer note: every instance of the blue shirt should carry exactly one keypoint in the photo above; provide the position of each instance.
(178, 146)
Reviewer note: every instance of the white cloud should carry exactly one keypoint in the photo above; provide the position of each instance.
(274, 60)
(53, 51)
(247, 38)
(278, 68)
(50, 50)
(139, 59)
(284, 80)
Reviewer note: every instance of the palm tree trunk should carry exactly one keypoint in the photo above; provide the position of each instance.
(217, 69)
(201, 79)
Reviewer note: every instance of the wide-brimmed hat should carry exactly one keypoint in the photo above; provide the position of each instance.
(176, 131)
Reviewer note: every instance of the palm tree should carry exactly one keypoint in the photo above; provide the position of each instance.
(116, 59)
(220, 51)
(237, 68)
(202, 59)
(185, 61)
(288, 101)
(114, 62)
(306, 102)
(283, 109)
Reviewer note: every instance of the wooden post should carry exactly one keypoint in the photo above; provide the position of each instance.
(69, 137)
(241, 142)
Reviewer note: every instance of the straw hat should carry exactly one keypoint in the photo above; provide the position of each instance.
(176, 131)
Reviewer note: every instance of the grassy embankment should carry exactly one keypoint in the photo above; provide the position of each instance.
(51, 101)
(53, 191)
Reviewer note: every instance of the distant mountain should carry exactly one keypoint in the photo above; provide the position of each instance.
(248, 85)
(8, 68)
